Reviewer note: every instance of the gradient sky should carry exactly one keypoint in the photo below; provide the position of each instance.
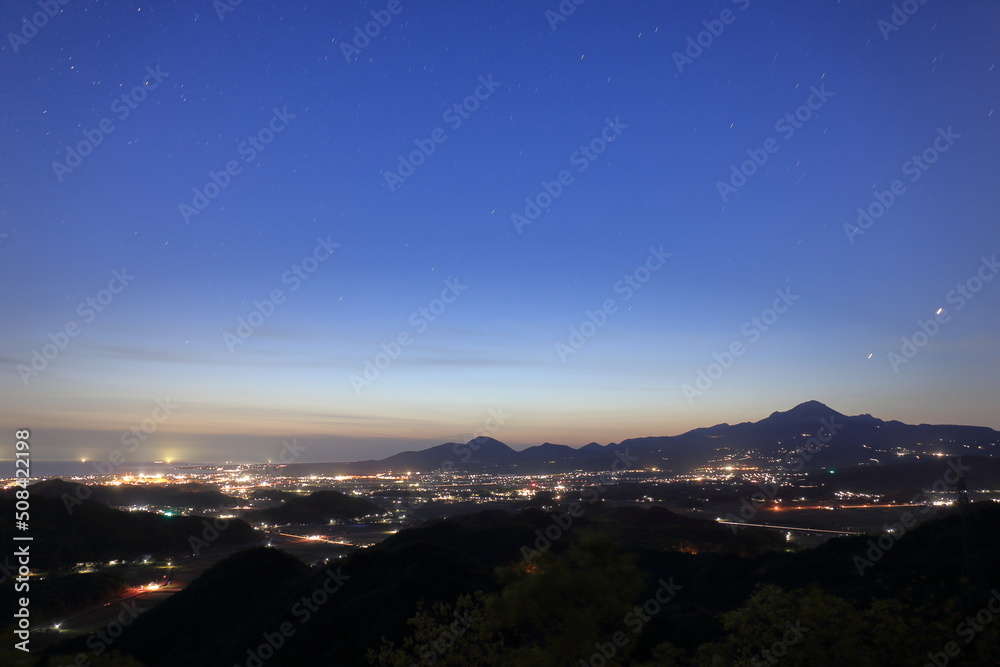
(495, 346)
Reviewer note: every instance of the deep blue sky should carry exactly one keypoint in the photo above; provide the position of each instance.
(495, 346)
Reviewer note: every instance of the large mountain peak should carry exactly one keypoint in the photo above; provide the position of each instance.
(488, 444)
(808, 410)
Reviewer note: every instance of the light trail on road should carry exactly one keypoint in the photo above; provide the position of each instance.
(802, 530)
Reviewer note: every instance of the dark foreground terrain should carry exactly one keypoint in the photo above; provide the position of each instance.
(614, 585)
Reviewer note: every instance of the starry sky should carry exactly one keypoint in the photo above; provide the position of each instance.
(225, 226)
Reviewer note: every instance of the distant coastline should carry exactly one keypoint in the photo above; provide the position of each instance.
(46, 469)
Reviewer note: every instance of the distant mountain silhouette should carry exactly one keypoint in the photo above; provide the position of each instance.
(546, 453)
(797, 438)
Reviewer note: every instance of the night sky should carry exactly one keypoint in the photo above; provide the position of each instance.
(243, 224)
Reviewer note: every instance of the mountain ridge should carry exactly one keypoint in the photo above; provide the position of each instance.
(813, 432)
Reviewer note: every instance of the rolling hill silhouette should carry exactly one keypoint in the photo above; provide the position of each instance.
(857, 440)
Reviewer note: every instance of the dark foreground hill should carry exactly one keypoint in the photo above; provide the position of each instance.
(317, 507)
(69, 531)
(192, 496)
(499, 589)
(912, 476)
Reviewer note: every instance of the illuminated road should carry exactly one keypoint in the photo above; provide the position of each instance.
(316, 538)
(793, 528)
(828, 506)
(133, 593)
(96, 616)
(181, 574)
